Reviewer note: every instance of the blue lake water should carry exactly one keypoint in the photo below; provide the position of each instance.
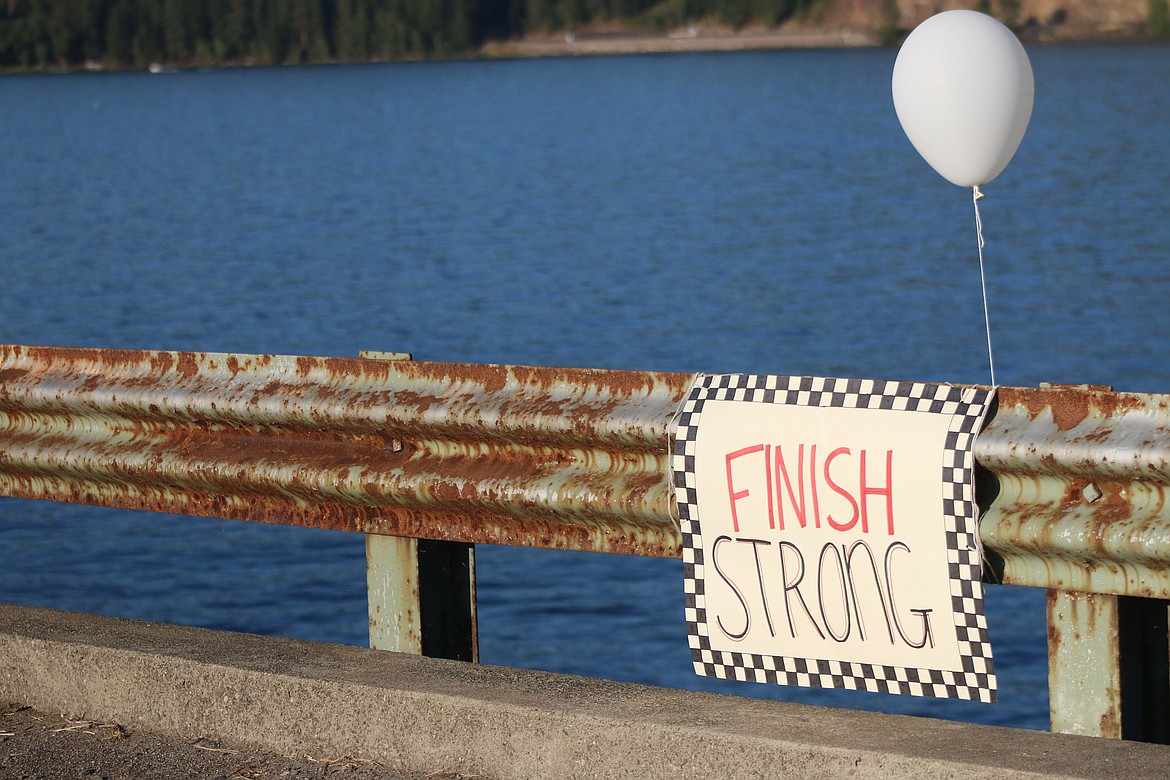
(737, 212)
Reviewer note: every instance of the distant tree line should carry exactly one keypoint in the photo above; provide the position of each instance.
(135, 33)
(1158, 12)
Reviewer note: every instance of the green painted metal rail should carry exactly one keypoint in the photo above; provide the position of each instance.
(429, 459)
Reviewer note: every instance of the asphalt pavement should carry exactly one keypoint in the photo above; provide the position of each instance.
(39, 745)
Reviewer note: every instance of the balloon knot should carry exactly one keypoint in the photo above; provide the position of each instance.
(978, 193)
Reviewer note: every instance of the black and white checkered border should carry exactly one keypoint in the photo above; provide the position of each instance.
(966, 407)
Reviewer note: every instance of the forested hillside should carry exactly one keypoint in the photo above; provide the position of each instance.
(135, 33)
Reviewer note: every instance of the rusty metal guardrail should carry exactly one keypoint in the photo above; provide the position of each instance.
(428, 459)
(1081, 480)
(572, 459)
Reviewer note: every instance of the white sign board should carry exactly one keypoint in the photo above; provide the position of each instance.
(830, 533)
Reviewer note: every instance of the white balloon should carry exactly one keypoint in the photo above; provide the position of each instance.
(963, 91)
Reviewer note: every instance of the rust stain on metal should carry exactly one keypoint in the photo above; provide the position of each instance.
(187, 365)
(1110, 724)
(1113, 507)
(12, 374)
(1069, 410)
(1070, 407)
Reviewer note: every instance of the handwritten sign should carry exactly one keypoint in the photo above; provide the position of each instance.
(829, 534)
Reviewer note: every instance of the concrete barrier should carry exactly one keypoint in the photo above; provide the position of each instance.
(415, 713)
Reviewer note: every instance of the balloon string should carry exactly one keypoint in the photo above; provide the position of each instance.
(976, 197)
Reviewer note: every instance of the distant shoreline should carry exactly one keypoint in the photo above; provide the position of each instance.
(694, 39)
(795, 35)
(586, 42)
(619, 40)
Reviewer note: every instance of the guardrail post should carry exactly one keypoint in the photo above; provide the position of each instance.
(421, 592)
(1108, 666)
(422, 597)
